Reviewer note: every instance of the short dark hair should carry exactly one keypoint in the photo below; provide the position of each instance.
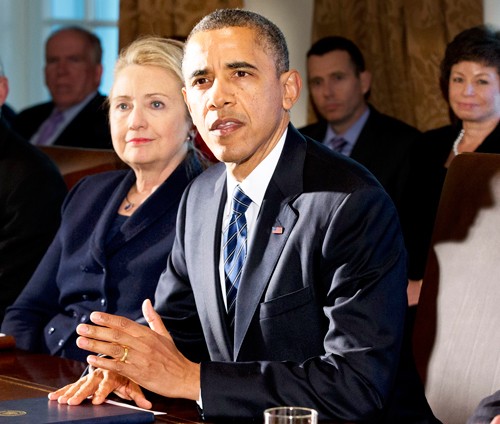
(479, 44)
(90, 37)
(336, 42)
(268, 34)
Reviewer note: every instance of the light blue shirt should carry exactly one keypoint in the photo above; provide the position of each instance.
(351, 135)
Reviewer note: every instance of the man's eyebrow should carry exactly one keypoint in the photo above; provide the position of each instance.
(231, 65)
(240, 65)
(198, 73)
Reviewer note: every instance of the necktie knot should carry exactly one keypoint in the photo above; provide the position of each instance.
(49, 127)
(241, 201)
(337, 144)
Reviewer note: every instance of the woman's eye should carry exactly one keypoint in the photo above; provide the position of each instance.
(157, 104)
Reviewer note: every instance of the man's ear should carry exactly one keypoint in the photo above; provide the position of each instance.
(292, 84)
(4, 89)
(98, 74)
(184, 95)
(366, 81)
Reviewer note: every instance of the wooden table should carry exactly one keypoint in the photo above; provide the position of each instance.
(26, 375)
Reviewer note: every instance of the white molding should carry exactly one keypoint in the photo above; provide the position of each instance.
(491, 12)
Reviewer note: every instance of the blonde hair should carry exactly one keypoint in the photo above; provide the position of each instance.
(164, 53)
(155, 51)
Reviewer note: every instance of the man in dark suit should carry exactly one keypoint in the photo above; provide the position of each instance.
(77, 114)
(31, 195)
(339, 86)
(313, 314)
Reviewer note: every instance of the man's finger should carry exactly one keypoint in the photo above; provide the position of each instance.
(138, 397)
(154, 320)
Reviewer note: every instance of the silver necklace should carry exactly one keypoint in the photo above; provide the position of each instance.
(129, 205)
(458, 141)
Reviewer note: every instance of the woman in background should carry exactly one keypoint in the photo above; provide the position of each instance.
(470, 81)
(117, 227)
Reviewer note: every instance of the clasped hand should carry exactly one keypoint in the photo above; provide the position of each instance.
(135, 356)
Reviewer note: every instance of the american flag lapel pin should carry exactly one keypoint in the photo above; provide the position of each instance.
(277, 230)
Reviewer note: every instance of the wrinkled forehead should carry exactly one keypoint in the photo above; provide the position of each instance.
(216, 48)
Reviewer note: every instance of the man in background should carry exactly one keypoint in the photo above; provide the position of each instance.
(76, 116)
(31, 194)
(339, 86)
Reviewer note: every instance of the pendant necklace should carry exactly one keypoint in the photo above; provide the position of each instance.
(458, 141)
(128, 205)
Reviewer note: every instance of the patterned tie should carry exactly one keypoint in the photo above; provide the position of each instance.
(337, 144)
(49, 127)
(235, 248)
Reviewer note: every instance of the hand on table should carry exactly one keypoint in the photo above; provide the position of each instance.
(136, 356)
(99, 384)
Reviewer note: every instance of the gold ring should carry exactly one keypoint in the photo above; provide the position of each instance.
(125, 354)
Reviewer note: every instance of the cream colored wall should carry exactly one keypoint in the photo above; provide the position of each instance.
(294, 18)
(492, 12)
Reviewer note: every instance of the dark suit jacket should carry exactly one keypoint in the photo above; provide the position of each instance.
(82, 272)
(31, 195)
(7, 113)
(89, 128)
(383, 146)
(320, 308)
(424, 189)
(487, 409)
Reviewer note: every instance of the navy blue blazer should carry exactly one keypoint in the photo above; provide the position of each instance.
(89, 128)
(424, 189)
(321, 306)
(82, 273)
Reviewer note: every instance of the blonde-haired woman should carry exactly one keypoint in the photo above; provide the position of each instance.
(117, 227)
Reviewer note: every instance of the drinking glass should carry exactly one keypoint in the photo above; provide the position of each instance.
(290, 415)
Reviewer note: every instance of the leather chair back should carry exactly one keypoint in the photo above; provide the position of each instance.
(75, 162)
(457, 328)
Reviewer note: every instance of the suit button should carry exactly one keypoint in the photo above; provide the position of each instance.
(103, 302)
(60, 342)
(51, 330)
(83, 318)
(83, 268)
(84, 297)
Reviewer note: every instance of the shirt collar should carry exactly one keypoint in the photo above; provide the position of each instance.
(72, 111)
(352, 134)
(255, 184)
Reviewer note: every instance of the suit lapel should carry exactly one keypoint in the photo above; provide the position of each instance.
(98, 237)
(272, 230)
(365, 149)
(211, 290)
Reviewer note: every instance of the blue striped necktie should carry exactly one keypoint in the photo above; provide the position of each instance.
(235, 248)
